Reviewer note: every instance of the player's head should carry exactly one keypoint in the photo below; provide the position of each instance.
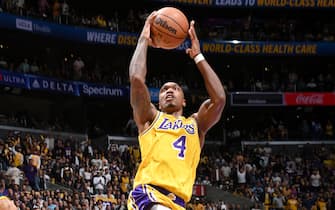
(171, 98)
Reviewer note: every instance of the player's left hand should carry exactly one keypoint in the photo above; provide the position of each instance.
(195, 44)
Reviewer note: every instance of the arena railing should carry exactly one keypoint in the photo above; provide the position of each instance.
(293, 144)
(4, 129)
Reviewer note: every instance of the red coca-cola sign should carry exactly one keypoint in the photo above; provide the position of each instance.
(199, 190)
(309, 99)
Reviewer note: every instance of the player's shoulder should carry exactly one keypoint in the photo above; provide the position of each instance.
(194, 116)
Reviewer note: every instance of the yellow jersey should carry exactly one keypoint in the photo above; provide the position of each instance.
(292, 204)
(170, 152)
(18, 159)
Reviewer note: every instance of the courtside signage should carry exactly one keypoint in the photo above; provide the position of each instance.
(13, 79)
(101, 90)
(309, 99)
(256, 99)
(53, 85)
(258, 3)
(22, 24)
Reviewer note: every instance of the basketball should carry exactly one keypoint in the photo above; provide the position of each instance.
(170, 28)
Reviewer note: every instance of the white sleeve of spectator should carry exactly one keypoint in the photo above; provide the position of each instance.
(39, 162)
(95, 181)
(12, 149)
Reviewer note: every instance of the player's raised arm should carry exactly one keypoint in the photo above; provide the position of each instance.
(210, 111)
(140, 101)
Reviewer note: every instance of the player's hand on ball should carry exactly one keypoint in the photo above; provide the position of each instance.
(145, 34)
(195, 45)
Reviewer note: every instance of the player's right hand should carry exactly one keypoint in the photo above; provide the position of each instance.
(147, 29)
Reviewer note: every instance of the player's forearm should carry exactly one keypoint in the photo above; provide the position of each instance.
(212, 83)
(138, 65)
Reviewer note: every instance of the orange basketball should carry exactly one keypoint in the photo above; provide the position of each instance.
(170, 28)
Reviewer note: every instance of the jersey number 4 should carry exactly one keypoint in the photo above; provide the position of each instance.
(179, 145)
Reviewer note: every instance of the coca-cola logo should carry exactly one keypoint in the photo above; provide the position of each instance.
(311, 99)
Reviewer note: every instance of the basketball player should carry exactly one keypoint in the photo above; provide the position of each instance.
(6, 204)
(170, 144)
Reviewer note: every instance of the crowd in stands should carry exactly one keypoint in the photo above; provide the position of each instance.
(300, 179)
(46, 172)
(305, 128)
(83, 68)
(283, 77)
(245, 27)
(91, 178)
(97, 177)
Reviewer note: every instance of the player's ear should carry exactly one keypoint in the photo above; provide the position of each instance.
(184, 102)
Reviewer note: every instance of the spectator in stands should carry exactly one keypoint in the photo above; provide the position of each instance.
(107, 175)
(67, 174)
(3, 187)
(316, 129)
(20, 6)
(35, 157)
(101, 22)
(43, 7)
(278, 201)
(329, 130)
(3, 62)
(241, 175)
(13, 173)
(131, 128)
(68, 150)
(65, 12)
(225, 171)
(308, 201)
(4, 155)
(34, 68)
(315, 180)
(113, 23)
(321, 203)
(311, 85)
(31, 173)
(78, 68)
(97, 162)
(99, 182)
(206, 181)
(18, 158)
(87, 149)
(198, 204)
(56, 11)
(24, 66)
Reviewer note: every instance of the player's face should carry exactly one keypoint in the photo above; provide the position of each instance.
(171, 97)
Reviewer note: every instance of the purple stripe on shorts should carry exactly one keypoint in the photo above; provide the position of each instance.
(140, 197)
(143, 199)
